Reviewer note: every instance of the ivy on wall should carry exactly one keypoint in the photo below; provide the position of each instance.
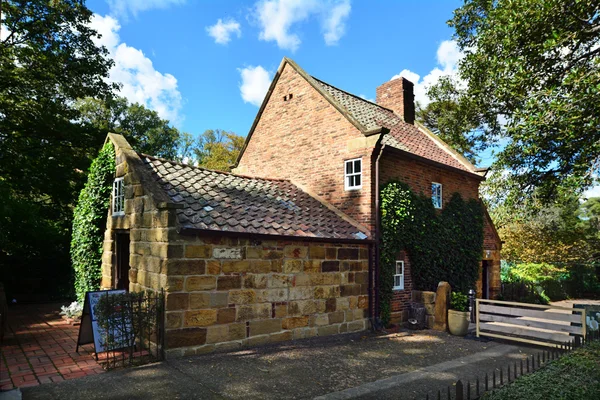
(442, 246)
(89, 222)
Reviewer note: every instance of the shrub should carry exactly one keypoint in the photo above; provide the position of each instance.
(89, 223)
(442, 246)
(74, 310)
(459, 302)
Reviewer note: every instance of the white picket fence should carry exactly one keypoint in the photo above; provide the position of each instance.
(529, 323)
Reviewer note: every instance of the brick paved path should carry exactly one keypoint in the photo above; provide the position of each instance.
(40, 348)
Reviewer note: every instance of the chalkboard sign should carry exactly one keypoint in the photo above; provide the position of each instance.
(89, 330)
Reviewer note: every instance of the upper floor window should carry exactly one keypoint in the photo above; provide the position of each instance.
(436, 194)
(353, 174)
(118, 205)
(399, 276)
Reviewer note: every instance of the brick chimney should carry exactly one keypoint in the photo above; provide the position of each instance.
(398, 95)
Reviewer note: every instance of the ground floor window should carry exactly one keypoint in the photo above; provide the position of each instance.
(399, 276)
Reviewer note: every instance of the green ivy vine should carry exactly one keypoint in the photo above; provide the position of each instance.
(442, 246)
(89, 222)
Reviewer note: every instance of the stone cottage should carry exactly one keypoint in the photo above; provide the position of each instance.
(285, 247)
(243, 260)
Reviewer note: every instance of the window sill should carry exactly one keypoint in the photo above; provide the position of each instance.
(398, 289)
(353, 189)
(121, 214)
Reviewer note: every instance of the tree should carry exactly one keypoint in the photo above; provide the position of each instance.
(218, 149)
(450, 116)
(143, 128)
(48, 60)
(532, 74)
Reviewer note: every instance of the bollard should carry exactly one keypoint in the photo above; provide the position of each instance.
(472, 304)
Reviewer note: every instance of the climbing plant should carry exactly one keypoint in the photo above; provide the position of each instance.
(444, 246)
(89, 222)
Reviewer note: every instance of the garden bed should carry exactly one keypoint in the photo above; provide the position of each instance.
(574, 376)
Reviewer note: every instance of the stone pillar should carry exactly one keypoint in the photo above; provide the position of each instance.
(442, 303)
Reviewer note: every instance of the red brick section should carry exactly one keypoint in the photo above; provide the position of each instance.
(40, 348)
(305, 139)
(419, 177)
(398, 96)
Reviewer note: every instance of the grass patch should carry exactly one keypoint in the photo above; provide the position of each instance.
(575, 376)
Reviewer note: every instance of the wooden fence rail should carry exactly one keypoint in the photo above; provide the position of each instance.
(529, 323)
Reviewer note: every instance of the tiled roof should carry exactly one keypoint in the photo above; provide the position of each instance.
(225, 202)
(402, 135)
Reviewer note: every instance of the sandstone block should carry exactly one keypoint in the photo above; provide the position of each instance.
(281, 310)
(200, 318)
(330, 253)
(271, 295)
(254, 252)
(174, 320)
(349, 290)
(292, 266)
(254, 311)
(295, 251)
(236, 266)
(295, 322)
(185, 337)
(277, 281)
(185, 267)
(319, 320)
(300, 293)
(237, 331)
(203, 282)
(226, 315)
(229, 282)
(256, 281)
(363, 302)
(213, 267)
(199, 300)
(242, 296)
(227, 253)
(219, 299)
(302, 307)
(177, 301)
(257, 340)
(272, 255)
(316, 252)
(312, 266)
(326, 292)
(260, 266)
(330, 266)
(197, 251)
(281, 336)
(347, 254)
(302, 280)
(328, 330)
(442, 303)
(336, 317)
(355, 326)
(266, 326)
(217, 333)
(342, 303)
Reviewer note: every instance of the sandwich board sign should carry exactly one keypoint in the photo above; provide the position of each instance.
(91, 332)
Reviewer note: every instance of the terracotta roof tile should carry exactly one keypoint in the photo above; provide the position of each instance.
(402, 135)
(226, 202)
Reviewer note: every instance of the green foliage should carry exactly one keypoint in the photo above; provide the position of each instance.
(143, 128)
(444, 246)
(531, 79)
(214, 149)
(575, 376)
(459, 302)
(450, 116)
(89, 222)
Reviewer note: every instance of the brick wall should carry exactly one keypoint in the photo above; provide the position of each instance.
(236, 292)
(419, 177)
(306, 139)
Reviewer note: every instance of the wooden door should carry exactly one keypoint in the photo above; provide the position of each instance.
(122, 261)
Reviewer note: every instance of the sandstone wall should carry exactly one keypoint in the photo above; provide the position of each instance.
(226, 293)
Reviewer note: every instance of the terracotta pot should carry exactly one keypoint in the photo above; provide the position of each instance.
(458, 322)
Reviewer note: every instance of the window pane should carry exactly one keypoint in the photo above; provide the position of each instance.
(356, 180)
(348, 167)
(357, 167)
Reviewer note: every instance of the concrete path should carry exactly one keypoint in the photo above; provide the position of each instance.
(399, 366)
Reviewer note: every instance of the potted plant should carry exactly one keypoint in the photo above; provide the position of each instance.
(458, 314)
(72, 313)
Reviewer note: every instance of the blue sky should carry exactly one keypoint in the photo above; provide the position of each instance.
(177, 58)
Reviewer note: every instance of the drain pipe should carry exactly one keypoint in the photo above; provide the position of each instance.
(377, 320)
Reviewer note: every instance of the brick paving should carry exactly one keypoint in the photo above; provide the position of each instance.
(39, 347)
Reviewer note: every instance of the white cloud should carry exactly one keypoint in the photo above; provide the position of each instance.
(122, 8)
(335, 22)
(141, 83)
(276, 18)
(4, 32)
(448, 57)
(222, 31)
(594, 191)
(255, 83)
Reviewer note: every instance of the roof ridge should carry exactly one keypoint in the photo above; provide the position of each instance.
(212, 170)
(352, 94)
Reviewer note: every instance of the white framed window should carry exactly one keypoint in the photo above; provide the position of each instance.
(353, 174)
(399, 276)
(436, 194)
(118, 204)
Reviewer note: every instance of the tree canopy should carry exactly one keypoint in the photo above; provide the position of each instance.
(531, 72)
(214, 149)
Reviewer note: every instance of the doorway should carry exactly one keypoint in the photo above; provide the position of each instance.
(121, 273)
(485, 278)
